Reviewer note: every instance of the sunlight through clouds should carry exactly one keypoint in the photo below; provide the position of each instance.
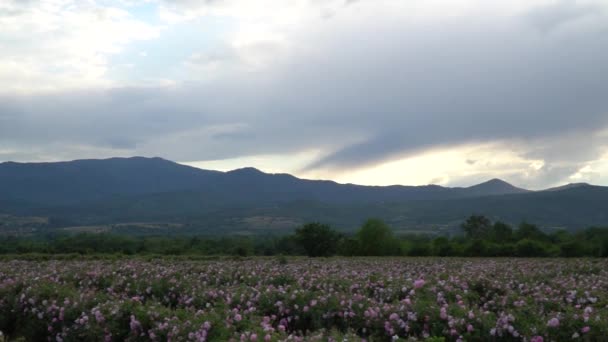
(455, 166)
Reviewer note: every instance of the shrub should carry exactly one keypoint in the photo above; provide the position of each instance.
(530, 248)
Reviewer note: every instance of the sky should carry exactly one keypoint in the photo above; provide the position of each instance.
(377, 92)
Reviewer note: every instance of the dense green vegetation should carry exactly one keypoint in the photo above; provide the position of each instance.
(481, 238)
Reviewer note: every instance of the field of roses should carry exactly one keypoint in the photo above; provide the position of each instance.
(335, 299)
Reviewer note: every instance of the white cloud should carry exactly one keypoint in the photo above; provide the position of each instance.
(52, 45)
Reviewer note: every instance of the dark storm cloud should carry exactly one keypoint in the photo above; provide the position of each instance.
(462, 84)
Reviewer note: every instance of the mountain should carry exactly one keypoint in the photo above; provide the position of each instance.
(568, 186)
(494, 187)
(89, 180)
(85, 180)
(121, 191)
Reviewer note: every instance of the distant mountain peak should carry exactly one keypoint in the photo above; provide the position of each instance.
(136, 158)
(496, 186)
(568, 186)
(493, 182)
(496, 181)
(246, 170)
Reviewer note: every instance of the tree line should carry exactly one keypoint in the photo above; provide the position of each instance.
(481, 238)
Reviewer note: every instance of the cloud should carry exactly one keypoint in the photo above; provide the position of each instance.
(53, 45)
(564, 13)
(373, 83)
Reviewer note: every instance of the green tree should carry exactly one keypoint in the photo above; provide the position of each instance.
(317, 239)
(477, 248)
(501, 232)
(477, 227)
(348, 247)
(530, 231)
(376, 238)
(421, 248)
(242, 247)
(530, 248)
(442, 247)
(572, 249)
(603, 250)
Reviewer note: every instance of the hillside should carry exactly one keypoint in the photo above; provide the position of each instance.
(122, 190)
(92, 180)
(84, 180)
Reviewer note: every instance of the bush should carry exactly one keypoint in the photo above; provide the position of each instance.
(572, 249)
(376, 238)
(318, 239)
(348, 247)
(442, 247)
(530, 248)
(477, 248)
(420, 249)
(503, 250)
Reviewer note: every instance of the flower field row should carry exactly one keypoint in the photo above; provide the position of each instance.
(352, 299)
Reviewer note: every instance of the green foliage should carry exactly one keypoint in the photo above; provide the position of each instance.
(530, 231)
(530, 248)
(501, 232)
(376, 238)
(477, 227)
(317, 239)
(349, 247)
(442, 247)
(420, 248)
(572, 249)
(503, 249)
(477, 248)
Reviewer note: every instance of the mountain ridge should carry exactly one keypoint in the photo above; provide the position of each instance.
(494, 182)
(137, 189)
(69, 182)
(568, 186)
